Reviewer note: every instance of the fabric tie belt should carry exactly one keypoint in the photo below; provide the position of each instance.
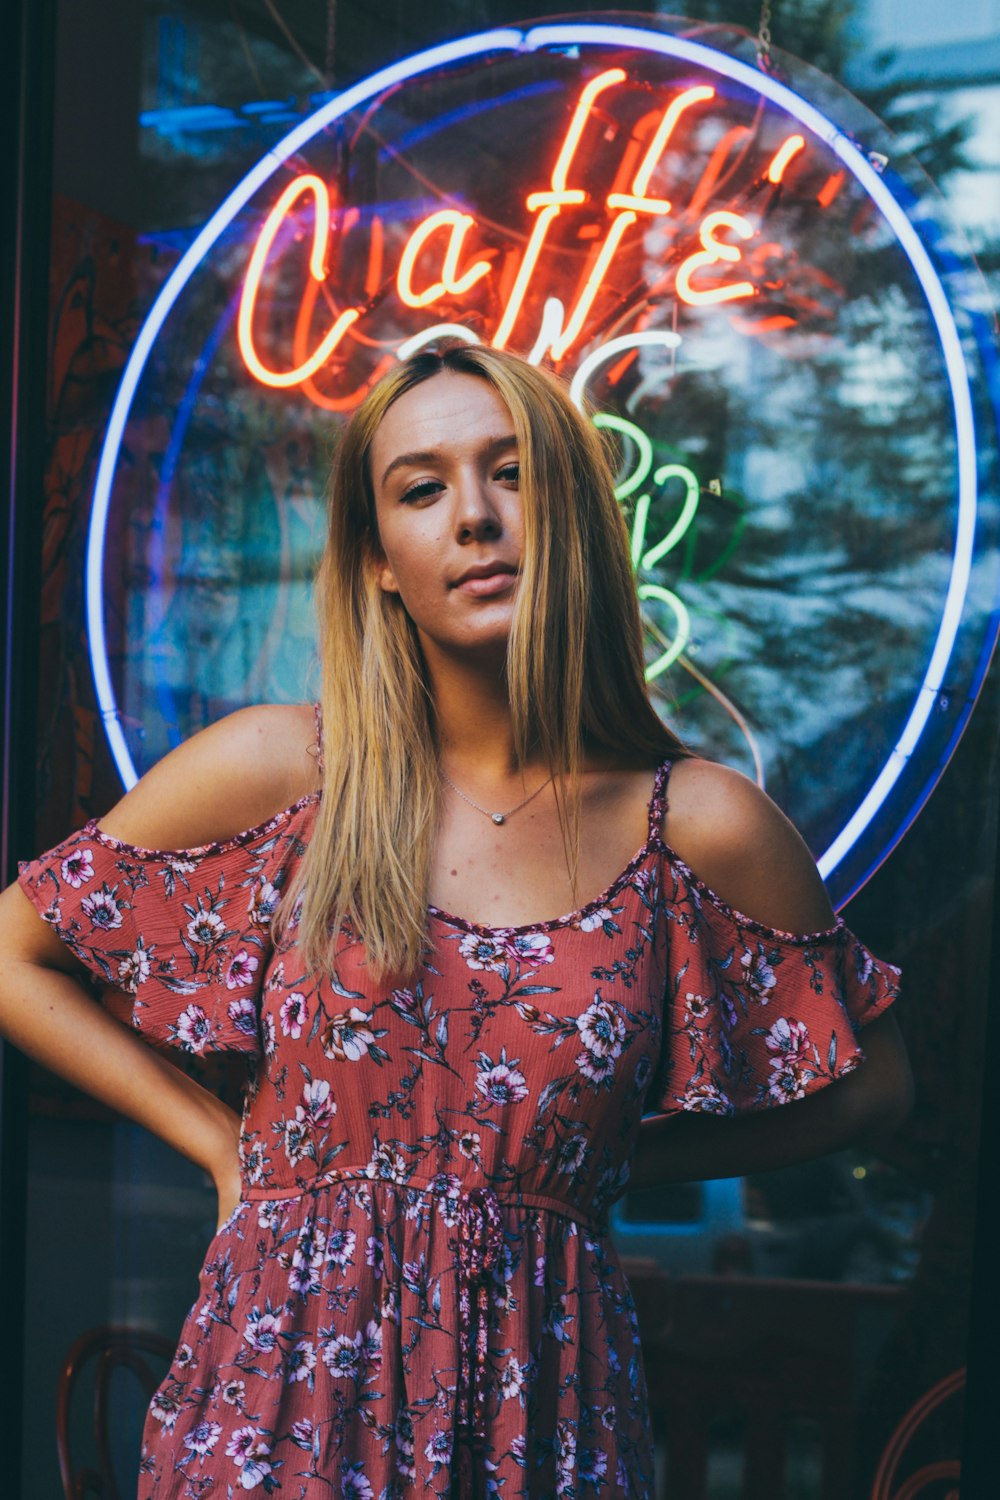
(478, 1252)
(479, 1247)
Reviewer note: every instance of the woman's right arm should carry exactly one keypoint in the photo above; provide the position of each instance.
(46, 1011)
(231, 776)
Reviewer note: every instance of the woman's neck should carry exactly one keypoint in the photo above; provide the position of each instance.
(475, 731)
(474, 728)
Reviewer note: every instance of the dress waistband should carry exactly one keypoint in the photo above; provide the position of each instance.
(424, 1185)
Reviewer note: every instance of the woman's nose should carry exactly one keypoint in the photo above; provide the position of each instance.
(476, 515)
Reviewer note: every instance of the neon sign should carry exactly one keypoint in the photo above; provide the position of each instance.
(685, 241)
(697, 280)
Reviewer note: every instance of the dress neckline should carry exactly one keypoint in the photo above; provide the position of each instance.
(552, 924)
(656, 808)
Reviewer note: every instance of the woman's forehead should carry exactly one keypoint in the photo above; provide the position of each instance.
(448, 410)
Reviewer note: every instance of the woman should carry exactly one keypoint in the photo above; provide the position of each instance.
(392, 914)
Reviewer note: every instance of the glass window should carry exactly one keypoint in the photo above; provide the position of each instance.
(803, 402)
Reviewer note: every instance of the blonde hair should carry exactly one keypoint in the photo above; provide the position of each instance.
(575, 671)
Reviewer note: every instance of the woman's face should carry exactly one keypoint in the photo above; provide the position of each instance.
(444, 470)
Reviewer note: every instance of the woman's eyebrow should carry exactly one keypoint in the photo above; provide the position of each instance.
(432, 455)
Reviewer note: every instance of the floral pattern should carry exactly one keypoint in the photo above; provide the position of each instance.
(417, 1291)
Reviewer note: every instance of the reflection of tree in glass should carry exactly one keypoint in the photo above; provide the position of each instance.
(878, 434)
(839, 434)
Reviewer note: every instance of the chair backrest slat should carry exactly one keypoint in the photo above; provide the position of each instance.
(106, 1350)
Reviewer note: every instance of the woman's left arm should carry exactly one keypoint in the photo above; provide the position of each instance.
(746, 851)
(866, 1104)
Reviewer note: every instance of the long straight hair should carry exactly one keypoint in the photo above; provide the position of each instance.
(574, 669)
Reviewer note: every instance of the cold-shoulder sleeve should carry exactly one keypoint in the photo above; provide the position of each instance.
(186, 932)
(754, 1017)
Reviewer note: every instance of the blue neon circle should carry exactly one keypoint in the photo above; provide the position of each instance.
(563, 35)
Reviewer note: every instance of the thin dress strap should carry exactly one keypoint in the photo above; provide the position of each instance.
(318, 715)
(658, 801)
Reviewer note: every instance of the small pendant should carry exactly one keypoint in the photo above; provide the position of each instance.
(497, 817)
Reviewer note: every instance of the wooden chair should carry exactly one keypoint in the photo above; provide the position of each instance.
(104, 1351)
(928, 1474)
(766, 1357)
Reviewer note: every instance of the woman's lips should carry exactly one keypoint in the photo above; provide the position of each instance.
(493, 583)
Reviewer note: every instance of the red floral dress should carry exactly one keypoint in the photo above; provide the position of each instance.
(417, 1291)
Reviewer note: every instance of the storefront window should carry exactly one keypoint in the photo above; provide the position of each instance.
(776, 301)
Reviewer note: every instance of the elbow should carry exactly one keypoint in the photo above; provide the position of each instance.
(885, 1118)
(904, 1093)
(884, 1098)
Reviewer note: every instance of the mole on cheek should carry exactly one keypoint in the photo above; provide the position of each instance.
(454, 872)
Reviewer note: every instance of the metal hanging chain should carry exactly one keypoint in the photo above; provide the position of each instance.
(764, 37)
(284, 28)
(331, 40)
(496, 817)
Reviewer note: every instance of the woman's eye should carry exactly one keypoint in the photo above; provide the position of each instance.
(510, 473)
(421, 489)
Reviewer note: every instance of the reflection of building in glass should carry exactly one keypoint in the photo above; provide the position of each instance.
(952, 54)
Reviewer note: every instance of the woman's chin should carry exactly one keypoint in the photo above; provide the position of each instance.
(482, 649)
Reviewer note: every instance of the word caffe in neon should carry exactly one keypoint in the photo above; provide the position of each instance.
(731, 270)
(439, 271)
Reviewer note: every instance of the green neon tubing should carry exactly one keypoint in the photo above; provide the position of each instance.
(692, 494)
(639, 529)
(673, 651)
(628, 429)
(628, 486)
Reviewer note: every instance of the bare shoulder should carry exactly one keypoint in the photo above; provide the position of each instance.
(743, 846)
(237, 773)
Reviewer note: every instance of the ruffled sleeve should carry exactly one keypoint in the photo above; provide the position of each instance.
(754, 1017)
(185, 932)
